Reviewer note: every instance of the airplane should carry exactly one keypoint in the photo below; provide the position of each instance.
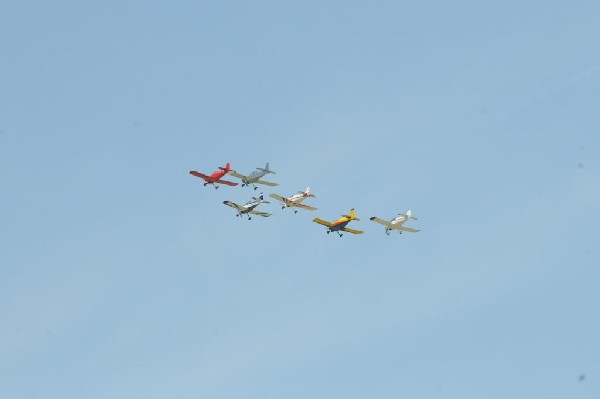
(215, 177)
(295, 200)
(254, 177)
(340, 224)
(248, 207)
(397, 222)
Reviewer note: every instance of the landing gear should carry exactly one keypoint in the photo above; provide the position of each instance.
(387, 232)
(295, 211)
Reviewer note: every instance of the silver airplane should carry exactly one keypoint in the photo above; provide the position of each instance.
(248, 207)
(254, 177)
(397, 223)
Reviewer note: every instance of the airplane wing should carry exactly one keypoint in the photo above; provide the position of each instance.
(229, 183)
(309, 208)
(353, 231)
(259, 213)
(233, 205)
(277, 197)
(236, 174)
(323, 222)
(383, 222)
(407, 229)
(200, 175)
(266, 183)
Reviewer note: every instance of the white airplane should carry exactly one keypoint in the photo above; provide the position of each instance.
(397, 223)
(254, 177)
(248, 207)
(295, 200)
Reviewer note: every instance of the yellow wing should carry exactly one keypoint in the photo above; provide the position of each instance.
(323, 222)
(266, 183)
(353, 231)
(238, 175)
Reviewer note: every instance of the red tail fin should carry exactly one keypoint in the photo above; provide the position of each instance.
(226, 169)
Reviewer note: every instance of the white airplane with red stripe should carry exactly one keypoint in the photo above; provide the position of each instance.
(295, 201)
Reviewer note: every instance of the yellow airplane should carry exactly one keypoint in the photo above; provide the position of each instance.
(340, 224)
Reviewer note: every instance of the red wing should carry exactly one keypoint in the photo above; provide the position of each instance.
(210, 179)
(200, 175)
(229, 183)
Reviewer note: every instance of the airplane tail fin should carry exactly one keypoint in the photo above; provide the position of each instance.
(266, 169)
(352, 215)
(227, 167)
(262, 200)
(408, 215)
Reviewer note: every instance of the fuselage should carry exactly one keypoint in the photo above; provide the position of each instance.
(256, 175)
(248, 206)
(218, 175)
(340, 224)
(295, 199)
(398, 220)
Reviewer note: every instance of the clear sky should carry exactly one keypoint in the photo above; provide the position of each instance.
(121, 276)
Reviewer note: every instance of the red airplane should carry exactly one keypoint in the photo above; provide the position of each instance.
(215, 177)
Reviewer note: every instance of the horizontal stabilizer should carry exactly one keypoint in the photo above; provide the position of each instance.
(307, 193)
(408, 216)
(265, 170)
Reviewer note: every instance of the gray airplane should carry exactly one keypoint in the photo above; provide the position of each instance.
(248, 207)
(254, 177)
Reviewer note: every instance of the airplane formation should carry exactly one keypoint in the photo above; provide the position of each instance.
(294, 201)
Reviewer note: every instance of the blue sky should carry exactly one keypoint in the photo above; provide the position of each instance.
(121, 276)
